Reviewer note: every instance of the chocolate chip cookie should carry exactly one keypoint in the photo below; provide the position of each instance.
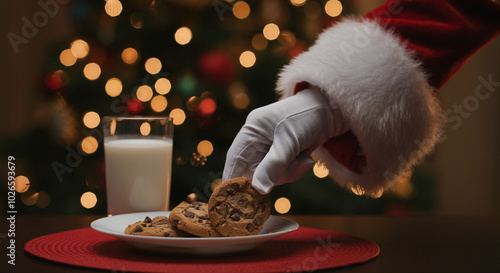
(158, 226)
(235, 208)
(193, 218)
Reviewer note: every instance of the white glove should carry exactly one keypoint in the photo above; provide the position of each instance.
(274, 145)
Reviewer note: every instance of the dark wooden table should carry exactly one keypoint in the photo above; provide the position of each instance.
(407, 244)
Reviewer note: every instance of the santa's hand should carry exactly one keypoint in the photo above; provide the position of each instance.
(274, 145)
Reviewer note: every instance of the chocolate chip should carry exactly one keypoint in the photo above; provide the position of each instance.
(232, 189)
(175, 223)
(235, 217)
(138, 228)
(221, 208)
(258, 221)
(243, 202)
(143, 225)
(189, 214)
(147, 220)
(250, 227)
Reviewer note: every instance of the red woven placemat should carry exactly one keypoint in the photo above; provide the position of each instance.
(305, 249)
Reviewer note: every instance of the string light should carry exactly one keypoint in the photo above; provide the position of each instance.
(92, 71)
(67, 57)
(145, 128)
(163, 86)
(282, 205)
(88, 200)
(43, 200)
(207, 106)
(247, 59)
(320, 170)
(153, 66)
(144, 93)
(113, 87)
(271, 31)
(29, 198)
(178, 115)
(113, 8)
(183, 35)
(79, 48)
(205, 148)
(241, 10)
(159, 103)
(129, 55)
(22, 183)
(91, 119)
(89, 145)
(298, 3)
(312, 10)
(333, 8)
(259, 42)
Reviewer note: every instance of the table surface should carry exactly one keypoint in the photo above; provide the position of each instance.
(407, 244)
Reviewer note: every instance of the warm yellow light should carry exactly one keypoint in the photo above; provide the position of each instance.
(67, 58)
(159, 103)
(333, 8)
(271, 31)
(403, 189)
(298, 3)
(216, 183)
(88, 200)
(320, 170)
(153, 66)
(91, 119)
(178, 115)
(92, 71)
(241, 10)
(129, 55)
(247, 59)
(205, 148)
(241, 100)
(113, 87)
(22, 183)
(113, 8)
(377, 194)
(136, 20)
(29, 198)
(43, 200)
(145, 128)
(282, 205)
(259, 42)
(358, 190)
(79, 48)
(183, 35)
(163, 86)
(89, 145)
(144, 93)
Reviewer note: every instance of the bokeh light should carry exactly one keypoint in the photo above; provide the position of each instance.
(145, 128)
(183, 35)
(205, 148)
(89, 145)
(282, 205)
(298, 3)
(241, 10)
(153, 66)
(30, 197)
(271, 31)
(159, 103)
(312, 10)
(178, 115)
(22, 183)
(247, 59)
(136, 20)
(259, 42)
(79, 48)
(144, 93)
(43, 200)
(241, 101)
(333, 8)
(91, 119)
(207, 106)
(92, 71)
(88, 200)
(113, 87)
(67, 58)
(113, 8)
(130, 55)
(320, 170)
(163, 86)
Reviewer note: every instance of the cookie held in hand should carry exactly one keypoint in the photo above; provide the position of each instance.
(235, 208)
(193, 218)
(159, 226)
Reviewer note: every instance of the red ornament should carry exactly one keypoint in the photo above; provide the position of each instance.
(135, 106)
(216, 67)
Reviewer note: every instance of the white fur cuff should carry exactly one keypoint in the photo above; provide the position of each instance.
(382, 92)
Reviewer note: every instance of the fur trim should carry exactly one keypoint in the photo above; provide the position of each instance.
(382, 92)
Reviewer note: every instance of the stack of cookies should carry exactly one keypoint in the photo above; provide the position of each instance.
(235, 208)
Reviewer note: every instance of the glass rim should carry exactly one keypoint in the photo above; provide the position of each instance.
(137, 118)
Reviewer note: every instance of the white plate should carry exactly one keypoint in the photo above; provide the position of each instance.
(218, 246)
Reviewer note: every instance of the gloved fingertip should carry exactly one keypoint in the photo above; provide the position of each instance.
(262, 189)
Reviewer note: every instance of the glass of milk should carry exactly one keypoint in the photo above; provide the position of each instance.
(138, 159)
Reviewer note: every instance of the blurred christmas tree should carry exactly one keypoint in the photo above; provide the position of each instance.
(205, 63)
